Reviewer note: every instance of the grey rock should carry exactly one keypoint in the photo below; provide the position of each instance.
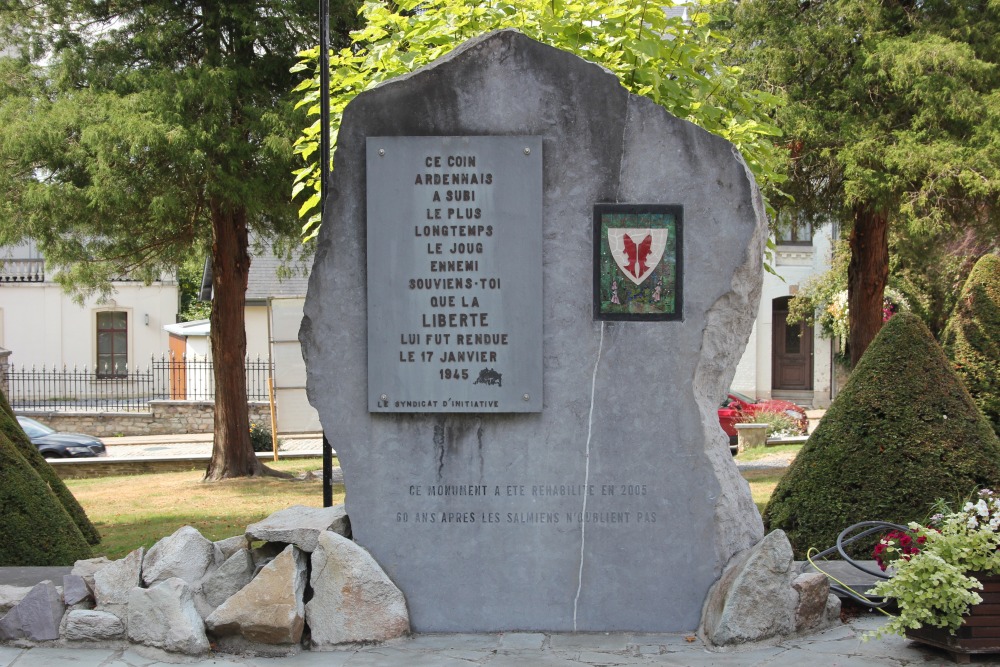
(185, 555)
(114, 582)
(87, 567)
(164, 616)
(75, 590)
(231, 545)
(754, 599)
(270, 609)
(39, 614)
(299, 525)
(225, 582)
(353, 599)
(10, 625)
(88, 625)
(813, 589)
(832, 613)
(11, 595)
(266, 552)
(618, 395)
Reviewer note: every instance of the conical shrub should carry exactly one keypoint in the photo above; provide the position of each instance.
(16, 435)
(972, 337)
(903, 433)
(35, 529)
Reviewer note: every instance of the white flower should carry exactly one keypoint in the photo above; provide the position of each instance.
(972, 523)
(982, 508)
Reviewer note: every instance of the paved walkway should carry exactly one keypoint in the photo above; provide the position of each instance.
(840, 646)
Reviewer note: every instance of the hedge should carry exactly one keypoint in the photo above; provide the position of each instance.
(903, 433)
(16, 435)
(35, 529)
(972, 337)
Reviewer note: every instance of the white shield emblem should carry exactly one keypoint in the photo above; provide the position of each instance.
(637, 251)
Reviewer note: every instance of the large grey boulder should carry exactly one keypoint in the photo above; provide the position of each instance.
(91, 626)
(185, 555)
(113, 583)
(36, 617)
(628, 408)
(299, 525)
(165, 617)
(760, 596)
(271, 608)
(353, 599)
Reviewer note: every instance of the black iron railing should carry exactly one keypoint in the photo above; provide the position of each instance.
(126, 389)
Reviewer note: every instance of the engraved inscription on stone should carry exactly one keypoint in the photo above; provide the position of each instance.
(454, 274)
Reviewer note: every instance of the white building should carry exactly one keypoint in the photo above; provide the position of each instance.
(42, 325)
(790, 362)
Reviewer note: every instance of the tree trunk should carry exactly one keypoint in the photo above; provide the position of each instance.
(867, 274)
(232, 453)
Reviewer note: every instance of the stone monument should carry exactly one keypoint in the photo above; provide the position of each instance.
(530, 293)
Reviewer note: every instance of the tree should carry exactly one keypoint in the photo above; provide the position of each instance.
(891, 115)
(675, 61)
(155, 129)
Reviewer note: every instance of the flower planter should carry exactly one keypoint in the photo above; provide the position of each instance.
(979, 633)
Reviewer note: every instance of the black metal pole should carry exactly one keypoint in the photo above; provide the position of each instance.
(324, 175)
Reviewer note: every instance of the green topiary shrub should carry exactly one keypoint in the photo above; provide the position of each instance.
(17, 437)
(35, 529)
(972, 337)
(903, 433)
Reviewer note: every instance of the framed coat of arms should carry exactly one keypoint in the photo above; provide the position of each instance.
(637, 262)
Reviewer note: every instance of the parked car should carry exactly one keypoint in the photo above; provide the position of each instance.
(54, 445)
(738, 408)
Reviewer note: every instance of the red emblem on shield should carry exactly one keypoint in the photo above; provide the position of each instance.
(637, 251)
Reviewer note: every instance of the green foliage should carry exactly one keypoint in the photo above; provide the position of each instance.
(189, 276)
(35, 529)
(891, 112)
(972, 337)
(936, 586)
(902, 434)
(260, 438)
(146, 122)
(20, 441)
(676, 63)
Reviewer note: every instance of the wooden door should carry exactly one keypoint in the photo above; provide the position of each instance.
(791, 351)
(178, 372)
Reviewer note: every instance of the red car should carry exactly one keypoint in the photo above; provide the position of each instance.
(738, 408)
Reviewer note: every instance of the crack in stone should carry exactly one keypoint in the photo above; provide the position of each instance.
(586, 476)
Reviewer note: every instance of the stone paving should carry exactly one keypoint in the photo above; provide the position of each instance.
(839, 646)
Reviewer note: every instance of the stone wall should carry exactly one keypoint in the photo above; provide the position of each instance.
(163, 418)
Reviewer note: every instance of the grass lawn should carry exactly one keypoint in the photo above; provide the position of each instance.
(138, 510)
(762, 483)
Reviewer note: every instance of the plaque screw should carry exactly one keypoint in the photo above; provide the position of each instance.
(384, 397)
(527, 151)
(526, 397)
(381, 152)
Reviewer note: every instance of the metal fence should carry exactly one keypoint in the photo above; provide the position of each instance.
(166, 378)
